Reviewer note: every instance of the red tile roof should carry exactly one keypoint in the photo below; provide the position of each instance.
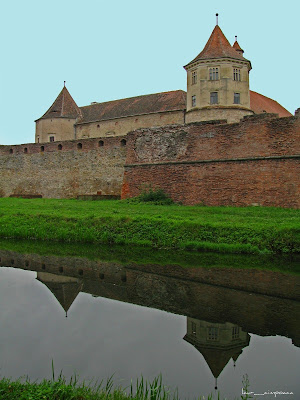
(63, 107)
(147, 104)
(236, 46)
(218, 46)
(260, 104)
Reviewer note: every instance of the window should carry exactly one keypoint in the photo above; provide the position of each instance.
(214, 74)
(235, 332)
(194, 328)
(59, 147)
(25, 150)
(213, 333)
(236, 98)
(194, 77)
(42, 148)
(213, 97)
(51, 138)
(101, 143)
(236, 74)
(123, 142)
(79, 146)
(193, 101)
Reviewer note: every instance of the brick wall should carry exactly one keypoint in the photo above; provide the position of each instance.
(254, 162)
(62, 169)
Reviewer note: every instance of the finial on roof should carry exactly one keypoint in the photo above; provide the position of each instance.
(217, 22)
(64, 83)
(66, 314)
(236, 38)
(216, 383)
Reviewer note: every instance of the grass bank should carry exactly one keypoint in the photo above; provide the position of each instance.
(61, 389)
(256, 230)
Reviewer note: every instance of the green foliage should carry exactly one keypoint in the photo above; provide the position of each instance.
(250, 230)
(158, 197)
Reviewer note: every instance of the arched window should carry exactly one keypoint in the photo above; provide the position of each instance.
(25, 150)
(101, 143)
(42, 148)
(123, 142)
(59, 147)
(79, 146)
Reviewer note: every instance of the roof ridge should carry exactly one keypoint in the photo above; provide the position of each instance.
(133, 97)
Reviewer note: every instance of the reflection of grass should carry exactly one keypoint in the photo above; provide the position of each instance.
(127, 255)
(61, 389)
(193, 228)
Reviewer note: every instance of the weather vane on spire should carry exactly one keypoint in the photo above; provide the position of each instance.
(217, 22)
(64, 83)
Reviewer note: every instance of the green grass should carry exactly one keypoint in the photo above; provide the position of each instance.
(61, 389)
(256, 230)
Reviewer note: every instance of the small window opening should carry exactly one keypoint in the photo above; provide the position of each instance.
(59, 147)
(80, 272)
(98, 126)
(11, 151)
(12, 262)
(123, 142)
(51, 138)
(25, 150)
(61, 269)
(214, 98)
(213, 74)
(26, 263)
(194, 101)
(42, 148)
(101, 143)
(101, 276)
(194, 77)
(79, 146)
(236, 98)
(43, 266)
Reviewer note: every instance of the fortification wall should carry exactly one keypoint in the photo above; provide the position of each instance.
(255, 162)
(63, 169)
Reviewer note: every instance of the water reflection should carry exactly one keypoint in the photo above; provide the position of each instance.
(221, 306)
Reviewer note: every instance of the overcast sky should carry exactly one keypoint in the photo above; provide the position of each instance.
(110, 50)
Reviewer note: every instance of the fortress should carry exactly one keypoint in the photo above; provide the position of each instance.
(219, 143)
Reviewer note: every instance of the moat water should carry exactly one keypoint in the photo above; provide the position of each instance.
(194, 319)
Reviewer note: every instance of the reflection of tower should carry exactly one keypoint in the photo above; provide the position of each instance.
(217, 342)
(64, 288)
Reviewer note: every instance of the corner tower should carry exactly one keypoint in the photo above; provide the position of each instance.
(218, 82)
(58, 121)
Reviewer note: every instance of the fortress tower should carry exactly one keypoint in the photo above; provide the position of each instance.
(218, 82)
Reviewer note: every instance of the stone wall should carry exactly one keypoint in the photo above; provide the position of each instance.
(121, 126)
(255, 162)
(63, 169)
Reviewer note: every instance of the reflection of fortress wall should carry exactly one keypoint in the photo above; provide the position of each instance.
(253, 312)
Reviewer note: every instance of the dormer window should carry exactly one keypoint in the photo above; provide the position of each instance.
(214, 74)
(236, 74)
(194, 77)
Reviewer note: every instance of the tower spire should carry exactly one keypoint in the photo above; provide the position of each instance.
(217, 19)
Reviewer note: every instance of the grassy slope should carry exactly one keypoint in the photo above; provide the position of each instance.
(224, 229)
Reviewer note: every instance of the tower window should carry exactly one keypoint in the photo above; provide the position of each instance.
(51, 138)
(214, 74)
(194, 101)
(236, 74)
(213, 97)
(237, 98)
(194, 77)
(235, 332)
(213, 333)
(194, 328)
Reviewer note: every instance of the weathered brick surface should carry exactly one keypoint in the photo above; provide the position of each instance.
(254, 162)
(45, 170)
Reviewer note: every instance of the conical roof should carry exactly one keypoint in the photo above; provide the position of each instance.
(63, 107)
(217, 46)
(237, 47)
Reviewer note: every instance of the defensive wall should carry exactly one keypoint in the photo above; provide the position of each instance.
(254, 162)
(63, 169)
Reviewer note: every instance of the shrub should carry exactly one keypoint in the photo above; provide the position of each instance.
(155, 197)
